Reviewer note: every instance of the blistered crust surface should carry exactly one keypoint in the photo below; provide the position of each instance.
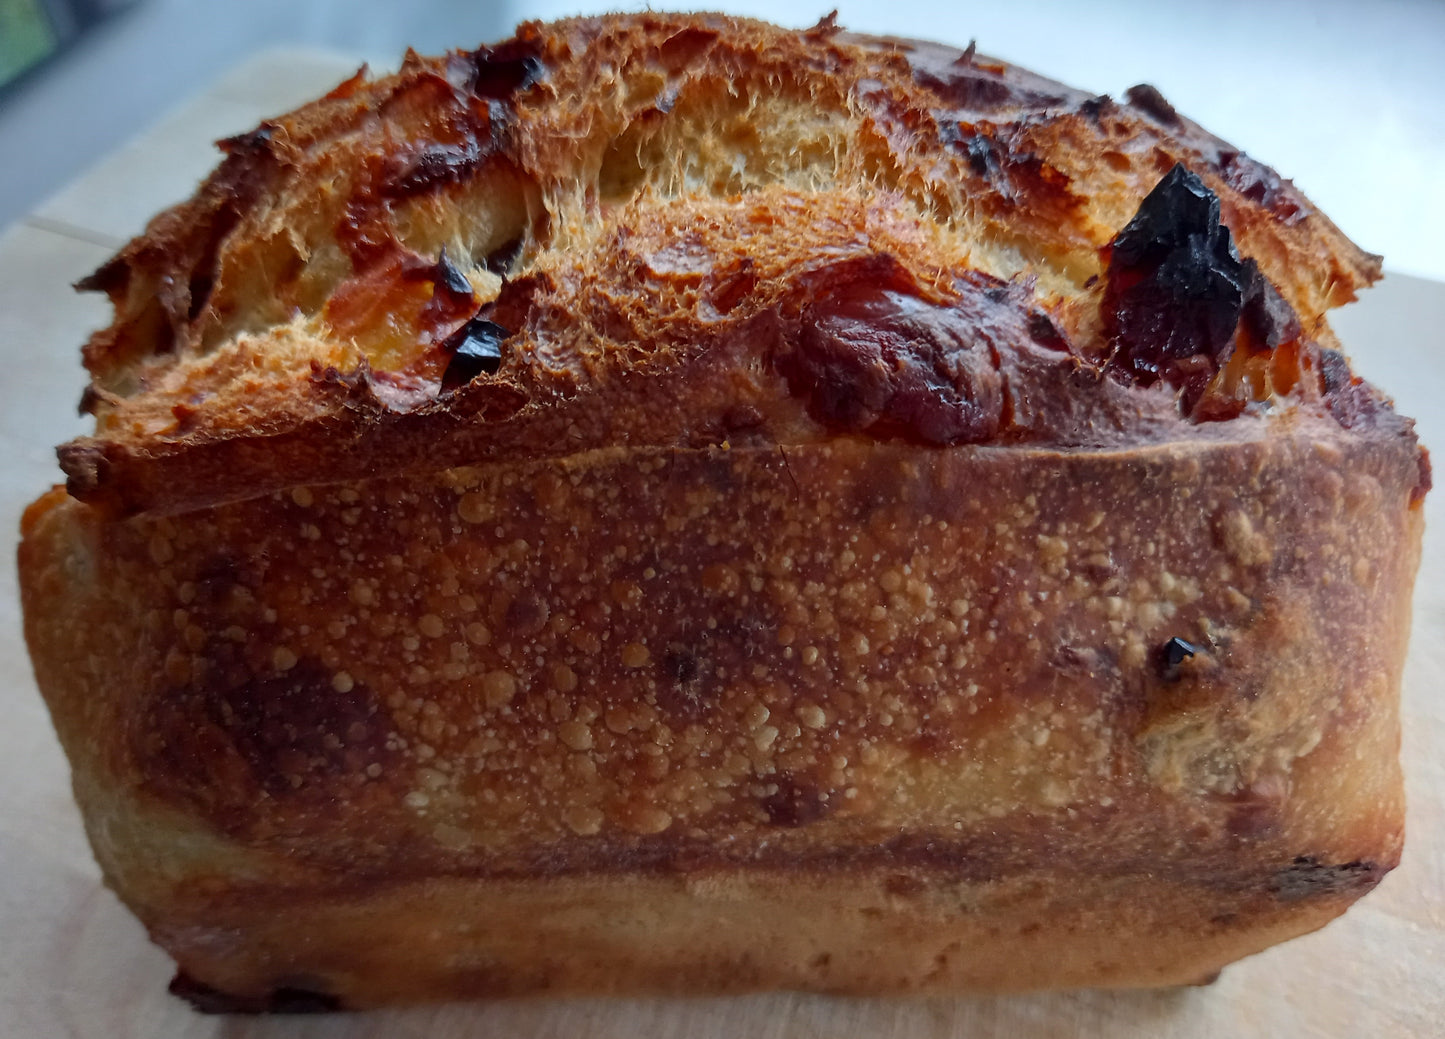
(953, 666)
(666, 229)
(488, 664)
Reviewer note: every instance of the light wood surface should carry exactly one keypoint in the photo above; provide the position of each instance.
(74, 963)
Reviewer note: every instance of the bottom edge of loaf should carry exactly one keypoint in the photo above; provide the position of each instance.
(720, 932)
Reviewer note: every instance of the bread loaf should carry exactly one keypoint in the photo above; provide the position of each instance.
(667, 503)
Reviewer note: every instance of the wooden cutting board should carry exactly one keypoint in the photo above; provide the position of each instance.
(74, 963)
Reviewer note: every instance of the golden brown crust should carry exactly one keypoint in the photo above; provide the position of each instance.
(603, 169)
(951, 670)
(839, 513)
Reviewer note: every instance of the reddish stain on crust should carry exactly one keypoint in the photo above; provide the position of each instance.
(223, 742)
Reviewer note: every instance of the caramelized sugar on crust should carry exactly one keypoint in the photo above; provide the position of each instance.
(667, 503)
(631, 198)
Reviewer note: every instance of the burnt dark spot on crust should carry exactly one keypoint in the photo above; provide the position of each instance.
(966, 87)
(980, 87)
(1179, 296)
(449, 277)
(1267, 319)
(680, 667)
(1176, 285)
(452, 296)
(1335, 372)
(90, 399)
(680, 688)
(258, 139)
(526, 614)
(795, 802)
(1043, 331)
(475, 349)
(499, 72)
(501, 259)
(1176, 651)
(983, 155)
(1002, 156)
(433, 165)
(217, 579)
(1258, 183)
(1308, 877)
(1148, 100)
(284, 1000)
(111, 277)
(1095, 108)
(1020, 177)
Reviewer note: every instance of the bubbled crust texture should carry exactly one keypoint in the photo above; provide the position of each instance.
(686, 652)
(408, 706)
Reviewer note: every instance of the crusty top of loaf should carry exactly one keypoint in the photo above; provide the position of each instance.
(681, 230)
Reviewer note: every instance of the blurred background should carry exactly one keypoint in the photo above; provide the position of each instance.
(1343, 96)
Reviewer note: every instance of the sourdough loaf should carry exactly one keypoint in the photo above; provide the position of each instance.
(667, 503)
